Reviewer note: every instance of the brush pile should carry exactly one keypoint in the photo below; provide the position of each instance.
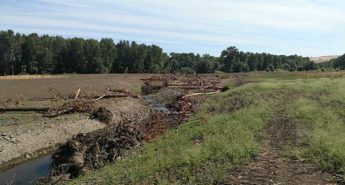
(198, 83)
(90, 151)
(72, 107)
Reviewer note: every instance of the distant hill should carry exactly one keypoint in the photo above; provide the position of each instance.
(323, 58)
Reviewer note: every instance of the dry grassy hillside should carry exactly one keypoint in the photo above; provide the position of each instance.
(323, 58)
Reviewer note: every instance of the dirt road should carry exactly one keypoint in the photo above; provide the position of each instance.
(273, 165)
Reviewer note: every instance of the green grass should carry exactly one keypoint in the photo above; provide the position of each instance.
(324, 115)
(225, 133)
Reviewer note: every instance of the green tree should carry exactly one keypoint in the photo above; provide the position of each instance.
(207, 64)
(228, 58)
(340, 62)
(92, 53)
(29, 53)
(44, 55)
(108, 54)
(123, 57)
(60, 54)
(75, 61)
(7, 52)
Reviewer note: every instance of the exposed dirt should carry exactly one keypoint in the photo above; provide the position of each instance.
(22, 134)
(40, 88)
(273, 166)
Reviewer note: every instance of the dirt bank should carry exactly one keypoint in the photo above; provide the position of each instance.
(22, 134)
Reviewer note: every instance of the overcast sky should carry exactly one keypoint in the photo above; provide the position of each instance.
(304, 27)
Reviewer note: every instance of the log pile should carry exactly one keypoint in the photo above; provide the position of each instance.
(88, 106)
(194, 84)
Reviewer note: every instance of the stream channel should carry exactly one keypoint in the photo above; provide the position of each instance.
(26, 173)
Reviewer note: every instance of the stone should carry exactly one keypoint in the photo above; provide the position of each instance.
(27, 156)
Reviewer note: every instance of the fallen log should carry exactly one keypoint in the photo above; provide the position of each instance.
(197, 94)
(105, 96)
(88, 106)
(77, 94)
(24, 109)
(193, 87)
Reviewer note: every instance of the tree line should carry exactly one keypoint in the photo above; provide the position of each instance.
(35, 54)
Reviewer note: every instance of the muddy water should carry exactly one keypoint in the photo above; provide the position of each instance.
(26, 173)
(156, 105)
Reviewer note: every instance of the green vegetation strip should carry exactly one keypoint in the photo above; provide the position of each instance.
(324, 115)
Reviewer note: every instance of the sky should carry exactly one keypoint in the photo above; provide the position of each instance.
(303, 27)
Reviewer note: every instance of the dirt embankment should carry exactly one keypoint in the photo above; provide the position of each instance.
(25, 133)
(75, 103)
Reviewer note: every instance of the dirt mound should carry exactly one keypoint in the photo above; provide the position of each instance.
(103, 115)
(169, 95)
(157, 123)
(91, 151)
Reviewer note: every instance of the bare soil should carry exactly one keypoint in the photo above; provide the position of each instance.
(22, 134)
(38, 88)
(25, 134)
(273, 165)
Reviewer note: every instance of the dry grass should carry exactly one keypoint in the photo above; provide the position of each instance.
(29, 77)
(323, 58)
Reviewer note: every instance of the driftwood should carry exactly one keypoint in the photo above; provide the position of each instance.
(197, 94)
(105, 96)
(109, 93)
(71, 107)
(24, 109)
(77, 94)
(193, 87)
